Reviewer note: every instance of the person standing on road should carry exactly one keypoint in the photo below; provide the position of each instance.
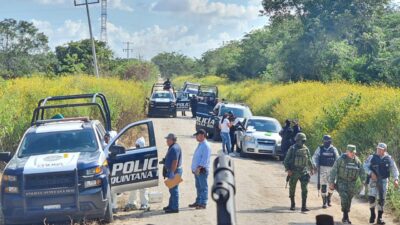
(225, 126)
(344, 174)
(378, 167)
(193, 105)
(324, 158)
(144, 197)
(235, 122)
(173, 165)
(200, 169)
(296, 129)
(286, 133)
(299, 165)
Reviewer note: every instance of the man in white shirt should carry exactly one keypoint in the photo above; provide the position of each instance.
(225, 126)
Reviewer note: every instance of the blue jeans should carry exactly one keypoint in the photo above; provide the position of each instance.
(226, 142)
(174, 194)
(202, 188)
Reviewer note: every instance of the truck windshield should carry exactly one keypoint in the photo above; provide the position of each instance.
(238, 112)
(58, 142)
(264, 126)
(162, 95)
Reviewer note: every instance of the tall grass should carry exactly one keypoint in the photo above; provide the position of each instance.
(19, 97)
(351, 113)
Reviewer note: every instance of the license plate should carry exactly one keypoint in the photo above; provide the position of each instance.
(51, 207)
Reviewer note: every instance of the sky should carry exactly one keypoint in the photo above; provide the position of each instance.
(190, 27)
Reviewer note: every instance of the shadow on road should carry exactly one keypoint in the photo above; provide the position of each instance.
(142, 214)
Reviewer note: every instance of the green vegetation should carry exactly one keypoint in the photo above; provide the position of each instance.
(356, 41)
(18, 98)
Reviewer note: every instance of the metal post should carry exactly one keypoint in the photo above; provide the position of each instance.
(96, 68)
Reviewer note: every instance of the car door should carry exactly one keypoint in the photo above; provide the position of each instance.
(133, 158)
(182, 102)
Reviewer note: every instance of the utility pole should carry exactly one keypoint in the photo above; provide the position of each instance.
(127, 49)
(87, 2)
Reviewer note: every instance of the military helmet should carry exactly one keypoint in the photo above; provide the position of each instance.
(351, 148)
(300, 137)
(327, 138)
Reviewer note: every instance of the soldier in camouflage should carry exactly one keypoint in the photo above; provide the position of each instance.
(299, 165)
(345, 172)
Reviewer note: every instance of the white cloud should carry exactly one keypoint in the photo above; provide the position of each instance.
(120, 5)
(50, 2)
(153, 40)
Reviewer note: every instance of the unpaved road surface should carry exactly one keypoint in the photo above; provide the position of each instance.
(261, 195)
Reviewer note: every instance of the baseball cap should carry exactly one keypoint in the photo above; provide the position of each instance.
(382, 146)
(171, 136)
(201, 131)
(352, 148)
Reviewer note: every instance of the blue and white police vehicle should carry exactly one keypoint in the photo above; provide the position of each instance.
(63, 168)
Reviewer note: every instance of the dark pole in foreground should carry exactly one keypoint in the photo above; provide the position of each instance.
(224, 190)
(96, 68)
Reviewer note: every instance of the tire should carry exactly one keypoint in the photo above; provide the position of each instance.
(239, 147)
(216, 135)
(243, 154)
(108, 217)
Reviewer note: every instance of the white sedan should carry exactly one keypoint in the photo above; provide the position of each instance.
(260, 137)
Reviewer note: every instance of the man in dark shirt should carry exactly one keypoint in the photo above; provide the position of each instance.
(173, 165)
(193, 105)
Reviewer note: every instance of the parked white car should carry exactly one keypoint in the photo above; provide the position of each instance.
(260, 137)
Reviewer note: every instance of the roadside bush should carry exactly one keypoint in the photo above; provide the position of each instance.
(19, 97)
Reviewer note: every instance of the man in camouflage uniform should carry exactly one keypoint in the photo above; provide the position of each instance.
(379, 167)
(345, 172)
(324, 158)
(298, 165)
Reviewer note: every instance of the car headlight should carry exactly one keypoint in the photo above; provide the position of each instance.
(8, 178)
(11, 190)
(249, 139)
(92, 183)
(93, 171)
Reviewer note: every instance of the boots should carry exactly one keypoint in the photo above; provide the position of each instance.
(380, 220)
(373, 215)
(328, 199)
(324, 201)
(292, 204)
(304, 206)
(345, 218)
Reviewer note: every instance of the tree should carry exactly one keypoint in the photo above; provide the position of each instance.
(174, 63)
(21, 44)
(134, 69)
(76, 57)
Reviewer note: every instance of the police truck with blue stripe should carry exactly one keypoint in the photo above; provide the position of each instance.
(63, 168)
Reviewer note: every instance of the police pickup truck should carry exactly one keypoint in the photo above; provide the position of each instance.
(210, 122)
(64, 169)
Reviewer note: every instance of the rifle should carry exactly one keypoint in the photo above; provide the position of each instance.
(319, 172)
(224, 190)
(287, 181)
(379, 184)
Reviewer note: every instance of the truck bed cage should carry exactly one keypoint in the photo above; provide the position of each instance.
(38, 113)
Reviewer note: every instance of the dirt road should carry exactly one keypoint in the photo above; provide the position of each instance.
(261, 195)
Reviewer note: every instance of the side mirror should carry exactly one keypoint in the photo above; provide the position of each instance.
(5, 156)
(117, 150)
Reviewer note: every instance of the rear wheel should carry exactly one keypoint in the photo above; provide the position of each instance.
(216, 135)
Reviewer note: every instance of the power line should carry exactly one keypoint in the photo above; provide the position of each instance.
(127, 49)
